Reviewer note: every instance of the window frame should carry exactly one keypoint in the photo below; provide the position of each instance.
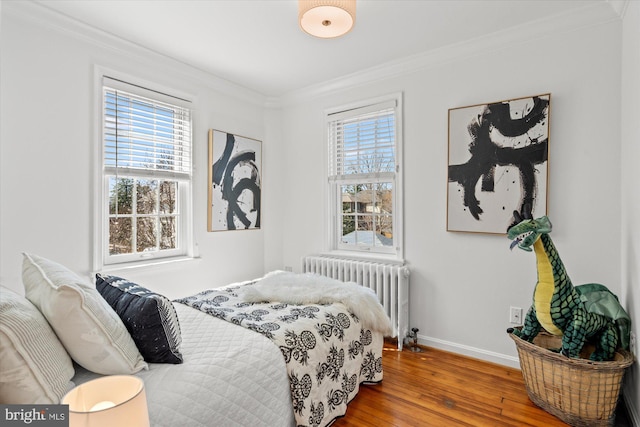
(333, 184)
(184, 192)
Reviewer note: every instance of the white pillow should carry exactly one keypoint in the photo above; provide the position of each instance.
(87, 326)
(34, 367)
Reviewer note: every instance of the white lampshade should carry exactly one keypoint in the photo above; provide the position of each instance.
(116, 400)
(326, 18)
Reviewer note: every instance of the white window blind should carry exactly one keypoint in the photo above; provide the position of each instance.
(363, 142)
(145, 137)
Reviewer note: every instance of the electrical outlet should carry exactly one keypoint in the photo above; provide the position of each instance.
(632, 343)
(515, 315)
(288, 268)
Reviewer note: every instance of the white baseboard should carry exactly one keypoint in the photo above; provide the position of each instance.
(632, 410)
(477, 353)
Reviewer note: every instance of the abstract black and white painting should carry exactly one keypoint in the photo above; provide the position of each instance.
(498, 162)
(234, 182)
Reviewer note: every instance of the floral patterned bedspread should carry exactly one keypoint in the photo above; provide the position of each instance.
(327, 352)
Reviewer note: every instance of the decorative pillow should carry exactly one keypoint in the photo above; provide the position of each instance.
(34, 366)
(89, 329)
(150, 318)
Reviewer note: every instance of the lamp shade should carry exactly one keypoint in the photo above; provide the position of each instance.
(326, 18)
(116, 400)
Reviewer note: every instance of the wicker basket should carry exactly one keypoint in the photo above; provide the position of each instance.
(578, 391)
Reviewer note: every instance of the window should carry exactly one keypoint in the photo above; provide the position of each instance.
(146, 147)
(364, 177)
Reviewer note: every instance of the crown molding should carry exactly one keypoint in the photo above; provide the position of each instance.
(591, 15)
(597, 13)
(619, 6)
(39, 14)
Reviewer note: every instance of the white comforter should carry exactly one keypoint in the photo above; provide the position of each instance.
(231, 376)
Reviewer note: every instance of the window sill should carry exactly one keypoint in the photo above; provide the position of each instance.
(145, 263)
(372, 257)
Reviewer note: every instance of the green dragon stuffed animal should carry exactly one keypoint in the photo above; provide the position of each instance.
(577, 313)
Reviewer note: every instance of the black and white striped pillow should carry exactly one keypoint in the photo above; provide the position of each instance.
(150, 318)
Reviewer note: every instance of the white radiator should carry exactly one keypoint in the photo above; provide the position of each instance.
(390, 282)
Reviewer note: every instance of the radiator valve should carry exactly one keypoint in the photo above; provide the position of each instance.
(414, 336)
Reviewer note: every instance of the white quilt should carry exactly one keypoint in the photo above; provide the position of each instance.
(231, 377)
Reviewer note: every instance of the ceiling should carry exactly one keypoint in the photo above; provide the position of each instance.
(257, 44)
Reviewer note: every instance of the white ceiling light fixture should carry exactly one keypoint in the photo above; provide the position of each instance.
(326, 18)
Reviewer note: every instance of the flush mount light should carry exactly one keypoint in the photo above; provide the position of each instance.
(326, 18)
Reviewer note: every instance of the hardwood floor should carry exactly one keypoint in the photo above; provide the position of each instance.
(438, 388)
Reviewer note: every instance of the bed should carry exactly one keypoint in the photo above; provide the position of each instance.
(220, 382)
(245, 354)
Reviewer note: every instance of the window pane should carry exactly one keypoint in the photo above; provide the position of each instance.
(384, 196)
(120, 236)
(168, 201)
(366, 199)
(348, 197)
(348, 228)
(147, 196)
(120, 195)
(146, 234)
(363, 236)
(384, 230)
(167, 233)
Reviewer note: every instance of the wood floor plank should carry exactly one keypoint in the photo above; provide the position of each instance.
(438, 388)
(524, 413)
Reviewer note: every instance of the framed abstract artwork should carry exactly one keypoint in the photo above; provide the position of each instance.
(498, 162)
(235, 166)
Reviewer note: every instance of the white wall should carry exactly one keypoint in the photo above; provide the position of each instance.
(463, 284)
(48, 141)
(630, 294)
(274, 180)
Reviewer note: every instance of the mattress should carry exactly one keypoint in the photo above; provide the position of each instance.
(231, 376)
